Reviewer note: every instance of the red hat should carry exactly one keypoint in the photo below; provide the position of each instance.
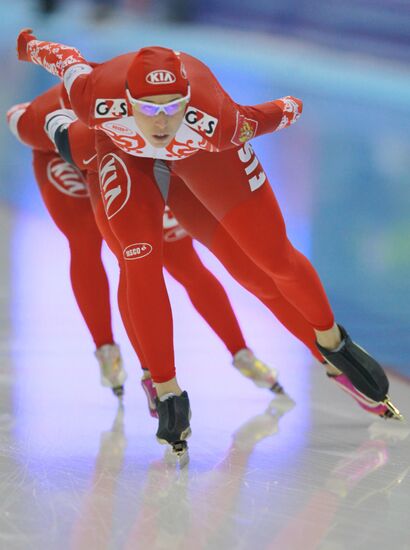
(155, 71)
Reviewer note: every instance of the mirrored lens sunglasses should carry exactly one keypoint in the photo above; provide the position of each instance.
(153, 109)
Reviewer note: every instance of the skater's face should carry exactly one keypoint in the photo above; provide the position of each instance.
(159, 129)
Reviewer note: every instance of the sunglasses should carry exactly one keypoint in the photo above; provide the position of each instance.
(153, 109)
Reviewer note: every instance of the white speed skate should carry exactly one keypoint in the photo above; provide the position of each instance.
(112, 371)
(252, 367)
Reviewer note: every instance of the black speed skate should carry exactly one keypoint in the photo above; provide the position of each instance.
(173, 426)
(369, 383)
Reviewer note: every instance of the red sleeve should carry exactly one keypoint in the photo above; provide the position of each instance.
(88, 85)
(56, 58)
(82, 145)
(240, 123)
(68, 64)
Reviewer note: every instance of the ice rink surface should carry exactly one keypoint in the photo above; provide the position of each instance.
(308, 472)
(79, 472)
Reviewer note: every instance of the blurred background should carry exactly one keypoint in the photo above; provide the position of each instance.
(341, 174)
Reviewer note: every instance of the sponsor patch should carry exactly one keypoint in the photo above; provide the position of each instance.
(245, 129)
(137, 251)
(66, 178)
(115, 184)
(198, 120)
(160, 77)
(253, 169)
(86, 162)
(109, 108)
(119, 129)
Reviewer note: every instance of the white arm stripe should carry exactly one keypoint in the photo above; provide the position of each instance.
(74, 72)
(13, 122)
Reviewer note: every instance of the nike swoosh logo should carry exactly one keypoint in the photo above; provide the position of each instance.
(89, 160)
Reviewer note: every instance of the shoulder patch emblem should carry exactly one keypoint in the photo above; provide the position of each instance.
(245, 129)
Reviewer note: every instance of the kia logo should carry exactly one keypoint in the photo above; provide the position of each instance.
(160, 77)
(66, 178)
(115, 184)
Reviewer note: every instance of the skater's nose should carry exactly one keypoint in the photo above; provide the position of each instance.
(161, 121)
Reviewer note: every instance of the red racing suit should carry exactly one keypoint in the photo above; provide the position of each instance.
(210, 154)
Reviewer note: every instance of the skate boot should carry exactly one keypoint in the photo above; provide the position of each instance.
(361, 376)
(112, 372)
(174, 414)
(151, 394)
(251, 367)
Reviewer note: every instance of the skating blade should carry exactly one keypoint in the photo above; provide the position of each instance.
(179, 453)
(277, 388)
(392, 412)
(179, 448)
(118, 391)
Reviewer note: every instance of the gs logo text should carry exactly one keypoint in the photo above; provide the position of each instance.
(105, 108)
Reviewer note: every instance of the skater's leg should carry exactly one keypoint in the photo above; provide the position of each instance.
(134, 208)
(113, 244)
(204, 290)
(205, 228)
(241, 198)
(65, 195)
(210, 300)
(251, 215)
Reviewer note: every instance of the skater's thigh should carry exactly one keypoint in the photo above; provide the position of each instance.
(190, 213)
(203, 226)
(65, 194)
(222, 180)
(233, 186)
(100, 216)
(132, 200)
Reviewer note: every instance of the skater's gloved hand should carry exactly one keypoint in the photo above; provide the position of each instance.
(292, 108)
(298, 102)
(25, 36)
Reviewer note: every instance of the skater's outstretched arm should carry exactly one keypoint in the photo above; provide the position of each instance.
(240, 123)
(225, 123)
(65, 62)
